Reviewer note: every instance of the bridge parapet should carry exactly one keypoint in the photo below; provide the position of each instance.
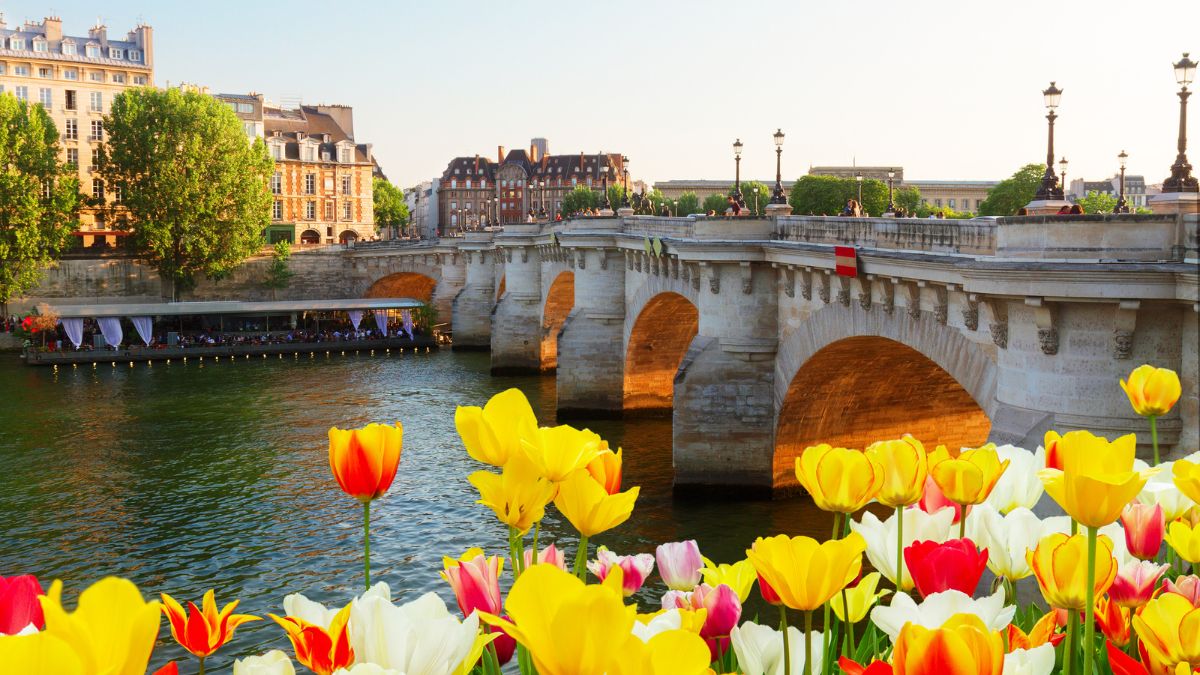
(657, 226)
(1098, 237)
(976, 237)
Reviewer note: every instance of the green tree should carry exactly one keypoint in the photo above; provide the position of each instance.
(715, 202)
(756, 196)
(656, 200)
(907, 198)
(579, 199)
(928, 211)
(827, 195)
(687, 204)
(193, 190)
(1013, 193)
(1097, 202)
(615, 195)
(391, 211)
(279, 272)
(39, 197)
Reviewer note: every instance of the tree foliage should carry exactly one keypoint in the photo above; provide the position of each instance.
(193, 190)
(580, 199)
(756, 197)
(279, 272)
(39, 196)
(1014, 192)
(1097, 202)
(687, 204)
(827, 195)
(715, 202)
(907, 198)
(391, 211)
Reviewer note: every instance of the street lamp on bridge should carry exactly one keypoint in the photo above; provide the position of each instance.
(606, 204)
(1122, 207)
(778, 197)
(1062, 173)
(737, 171)
(891, 207)
(859, 178)
(1049, 189)
(625, 191)
(542, 195)
(1181, 179)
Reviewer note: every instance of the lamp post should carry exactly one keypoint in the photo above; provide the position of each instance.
(606, 203)
(625, 186)
(1049, 189)
(891, 207)
(859, 177)
(542, 197)
(737, 171)
(778, 197)
(673, 211)
(1181, 179)
(1062, 174)
(1122, 207)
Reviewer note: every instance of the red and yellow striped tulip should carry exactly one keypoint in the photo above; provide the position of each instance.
(1169, 630)
(321, 650)
(203, 630)
(606, 469)
(962, 646)
(364, 461)
(1060, 564)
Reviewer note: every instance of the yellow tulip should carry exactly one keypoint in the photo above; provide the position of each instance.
(518, 495)
(481, 642)
(560, 451)
(905, 467)
(691, 620)
(1185, 539)
(740, 576)
(1169, 630)
(1187, 479)
(962, 646)
(589, 507)
(1060, 564)
(1097, 479)
(969, 478)
(39, 654)
(805, 574)
(493, 433)
(673, 652)
(839, 479)
(111, 631)
(860, 598)
(1152, 391)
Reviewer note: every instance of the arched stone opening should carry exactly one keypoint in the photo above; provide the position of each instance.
(403, 285)
(310, 237)
(348, 236)
(859, 390)
(658, 342)
(559, 301)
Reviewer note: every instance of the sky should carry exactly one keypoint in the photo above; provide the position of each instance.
(947, 90)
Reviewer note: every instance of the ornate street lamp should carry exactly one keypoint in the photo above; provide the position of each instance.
(542, 201)
(625, 191)
(607, 203)
(778, 197)
(1122, 207)
(1181, 179)
(1062, 174)
(737, 171)
(859, 177)
(1049, 189)
(891, 207)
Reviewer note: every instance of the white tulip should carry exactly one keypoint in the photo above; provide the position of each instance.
(273, 662)
(1006, 538)
(300, 607)
(881, 537)
(366, 669)
(1114, 532)
(1161, 490)
(417, 638)
(936, 609)
(668, 620)
(1019, 486)
(759, 649)
(1036, 661)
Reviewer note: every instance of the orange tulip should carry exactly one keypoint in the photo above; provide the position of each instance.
(1045, 630)
(364, 461)
(606, 469)
(1113, 620)
(203, 631)
(322, 651)
(962, 646)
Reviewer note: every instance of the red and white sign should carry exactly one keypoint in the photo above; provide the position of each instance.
(846, 261)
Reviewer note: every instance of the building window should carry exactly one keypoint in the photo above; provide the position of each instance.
(97, 189)
(277, 183)
(2, 69)
(16, 43)
(310, 184)
(40, 46)
(114, 53)
(310, 210)
(277, 210)
(92, 51)
(45, 73)
(46, 98)
(139, 80)
(96, 101)
(346, 155)
(70, 74)
(135, 55)
(96, 76)
(95, 156)
(73, 157)
(329, 211)
(453, 182)
(250, 129)
(46, 187)
(276, 151)
(346, 185)
(97, 131)
(71, 132)
(68, 48)
(347, 211)
(308, 153)
(117, 195)
(71, 102)
(21, 92)
(951, 202)
(938, 202)
(118, 78)
(21, 71)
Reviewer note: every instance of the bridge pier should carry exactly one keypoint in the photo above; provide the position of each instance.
(516, 334)
(472, 307)
(591, 353)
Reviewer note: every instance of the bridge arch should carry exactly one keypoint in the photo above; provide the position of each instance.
(658, 339)
(560, 299)
(403, 285)
(850, 380)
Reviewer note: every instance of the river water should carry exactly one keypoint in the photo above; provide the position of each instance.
(189, 477)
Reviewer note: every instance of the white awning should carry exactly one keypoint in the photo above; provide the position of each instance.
(231, 307)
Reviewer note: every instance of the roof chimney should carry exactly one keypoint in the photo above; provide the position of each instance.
(99, 32)
(533, 153)
(499, 154)
(477, 163)
(53, 27)
(581, 160)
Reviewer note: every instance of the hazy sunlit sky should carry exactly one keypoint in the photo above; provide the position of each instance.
(946, 89)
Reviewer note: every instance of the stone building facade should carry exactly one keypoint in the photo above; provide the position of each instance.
(75, 78)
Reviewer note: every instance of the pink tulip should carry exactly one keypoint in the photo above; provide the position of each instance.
(19, 605)
(1134, 584)
(679, 564)
(934, 500)
(1144, 529)
(476, 583)
(1188, 587)
(635, 568)
(547, 556)
(723, 607)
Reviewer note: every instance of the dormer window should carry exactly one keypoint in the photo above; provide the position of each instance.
(308, 153)
(346, 155)
(40, 46)
(277, 151)
(325, 156)
(68, 49)
(135, 55)
(92, 51)
(16, 43)
(114, 53)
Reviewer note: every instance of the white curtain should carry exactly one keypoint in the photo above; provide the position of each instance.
(110, 327)
(355, 317)
(74, 330)
(407, 322)
(381, 320)
(144, 326)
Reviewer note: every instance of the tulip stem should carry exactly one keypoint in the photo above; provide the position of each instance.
(581, 557)
(1133, 640)
(826, 633)
(962, 522)
(900, 549)
(537, 529)
(1154, 436)
(787, 649)
(849, 624)
(201, 664)
(1089, 625)
(516, 549)
(807, 642)
(366, 546)
(1069, 650)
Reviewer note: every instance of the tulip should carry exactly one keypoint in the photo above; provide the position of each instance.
(855, 668)
(768, 594)
(1122, 664)
(504, 645)
(367, 669)
(1185, 586)
(273, 662)
(675, 652)
(935, 610)
(1185, 539)
(606, 469)
(1097, 479)
(881, 538)
(364, 462)
(1114, 532)
(1053, 455)
(963, 645)
(722, 611)
(647, 626)
(838, 479)
(203, 631)
(20, 610)
(591, 510)
(1152, 392)
(860, 598)
(1006, 538)
(1019, 486)
(170, 669)
(1134, 584)
(475, 580)
(420, 637)
(518, 496)
(1144, 530)
(322, 649)
(1059, 562)
(739, 576)
(1161, 489)
(1043, 632)
(760, 650)
(39, 654)
(955, 564)
(679, 564)
(934, 501)
(905, 471)
(547, 556)
(560, 451)
(492, 434)
(1113, 621)
(112, 630)
(635, 568)
(969, 478)
(1169, 630)
(1187, 478)
(1036, 661)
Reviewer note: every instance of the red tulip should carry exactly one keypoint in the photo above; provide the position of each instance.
(1122, 664)
(854, 668)
(504, 644)
(1113, 621)
(1134, 584)
(19, 605)
(935, 567)
(169, 669)
(768, 593)
(1144, 529)
(933, 500)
